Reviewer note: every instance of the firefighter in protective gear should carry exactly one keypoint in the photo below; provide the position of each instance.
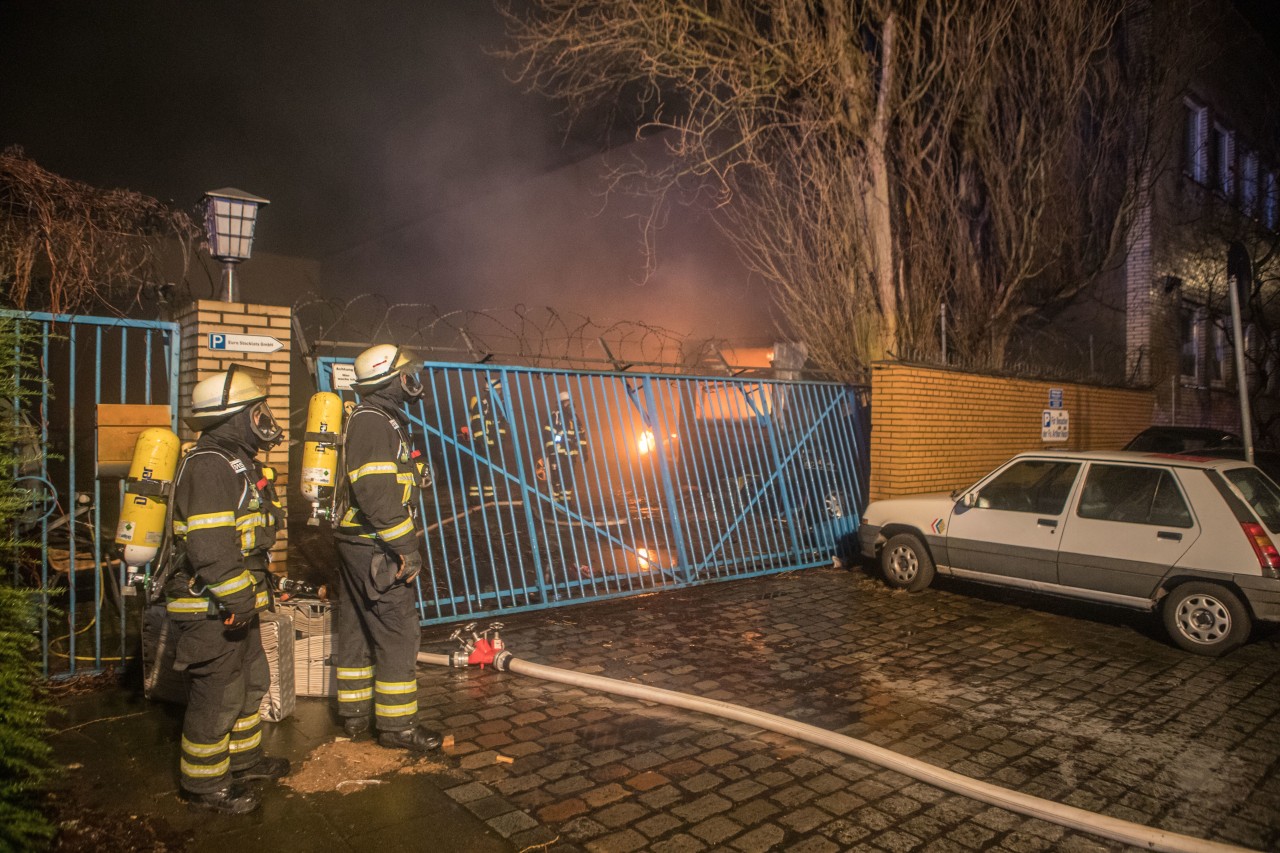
(225, 518)
(562, 449)
(378, 546)
(488, 432)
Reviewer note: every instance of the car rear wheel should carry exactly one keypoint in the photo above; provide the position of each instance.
(906, 563)
(1206, 619)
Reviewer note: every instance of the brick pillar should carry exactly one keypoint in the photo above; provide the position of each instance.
(200, 360)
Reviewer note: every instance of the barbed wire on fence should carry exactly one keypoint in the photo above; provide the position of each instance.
(536, 336)
(546, 337)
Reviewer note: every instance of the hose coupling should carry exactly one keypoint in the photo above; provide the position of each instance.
(502, 660)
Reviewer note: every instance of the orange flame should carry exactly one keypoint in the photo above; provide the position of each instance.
(646, 442)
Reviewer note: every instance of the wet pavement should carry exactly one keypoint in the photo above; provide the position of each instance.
(1084, 705)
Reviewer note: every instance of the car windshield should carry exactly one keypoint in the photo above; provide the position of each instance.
(1260, 492)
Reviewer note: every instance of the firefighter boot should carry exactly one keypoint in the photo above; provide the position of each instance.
(355, 726)
(268, 767)
(416, 739)
(233, 799)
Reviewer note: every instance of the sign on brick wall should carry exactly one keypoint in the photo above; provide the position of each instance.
(228, 342)
(1055, 425)
(988, 419)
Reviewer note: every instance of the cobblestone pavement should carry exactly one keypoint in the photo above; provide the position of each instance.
(1075, 703)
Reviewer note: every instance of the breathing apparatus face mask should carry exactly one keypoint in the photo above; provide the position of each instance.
(263, 425)
(412, 385)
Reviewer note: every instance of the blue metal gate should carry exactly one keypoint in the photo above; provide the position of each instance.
(82, 362)
(554, 486)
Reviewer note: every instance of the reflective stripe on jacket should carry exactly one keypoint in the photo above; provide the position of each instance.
(223, 526)
(380, 480)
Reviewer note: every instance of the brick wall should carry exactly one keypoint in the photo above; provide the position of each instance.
(199, 361)
(934, 430)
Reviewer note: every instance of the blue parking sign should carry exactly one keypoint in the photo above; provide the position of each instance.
(217, 340)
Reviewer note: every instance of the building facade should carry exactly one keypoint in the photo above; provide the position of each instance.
(1214, 180)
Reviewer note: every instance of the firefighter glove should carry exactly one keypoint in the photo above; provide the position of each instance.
(240, 620)
(410, 565)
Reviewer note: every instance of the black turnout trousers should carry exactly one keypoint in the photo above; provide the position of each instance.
(378, 639)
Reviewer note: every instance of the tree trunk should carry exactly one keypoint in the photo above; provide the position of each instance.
(879, 226)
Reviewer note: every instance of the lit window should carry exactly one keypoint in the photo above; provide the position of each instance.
(1224, 161)
(1191, 353)
(1195, 149)
(1249, 183)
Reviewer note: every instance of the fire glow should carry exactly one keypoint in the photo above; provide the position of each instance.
(646, 442)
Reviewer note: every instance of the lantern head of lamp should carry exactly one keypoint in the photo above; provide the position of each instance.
(229, 217)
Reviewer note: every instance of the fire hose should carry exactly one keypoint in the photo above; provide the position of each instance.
(482, 650)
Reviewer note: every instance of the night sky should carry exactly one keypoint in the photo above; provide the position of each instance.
(1265, 16)
(345, 115)
(390, 143)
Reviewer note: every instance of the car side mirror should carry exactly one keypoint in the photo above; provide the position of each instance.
(969, 499)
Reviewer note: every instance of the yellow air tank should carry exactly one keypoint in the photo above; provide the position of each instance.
(320, 449)
(146, 495)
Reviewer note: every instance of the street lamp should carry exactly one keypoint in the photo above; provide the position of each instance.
(229, 217)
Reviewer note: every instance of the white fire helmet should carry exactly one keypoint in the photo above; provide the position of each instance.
(221, 395)
(380, 364)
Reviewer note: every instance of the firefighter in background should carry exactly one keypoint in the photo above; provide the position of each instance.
(562, 449)
(225, 519)
(378, 546)
(488, 433)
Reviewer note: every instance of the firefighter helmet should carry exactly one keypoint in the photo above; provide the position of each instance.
(381, 363)
(223, 394)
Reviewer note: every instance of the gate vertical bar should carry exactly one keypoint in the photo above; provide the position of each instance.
(788, 502)
(173, 353)
(147, 373)
(529, 495)
(100, 566)
(44, 525)
(123, 573)
(72, 503)
(668, 486)
(17, 378)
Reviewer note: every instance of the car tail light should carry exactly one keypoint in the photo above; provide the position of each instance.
(1268, 556)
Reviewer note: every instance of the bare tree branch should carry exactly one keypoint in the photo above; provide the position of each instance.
(873, 160)
(66, 246)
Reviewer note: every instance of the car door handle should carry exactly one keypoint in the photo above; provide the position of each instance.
(1047, 522)
(1170, 535)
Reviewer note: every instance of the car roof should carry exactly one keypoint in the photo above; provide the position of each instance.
(1196, 431)
(1177, 460)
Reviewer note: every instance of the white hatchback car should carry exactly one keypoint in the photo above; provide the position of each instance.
(1194, 538)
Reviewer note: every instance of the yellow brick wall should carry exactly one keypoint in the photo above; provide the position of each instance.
(198, 361)
(934, 430)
